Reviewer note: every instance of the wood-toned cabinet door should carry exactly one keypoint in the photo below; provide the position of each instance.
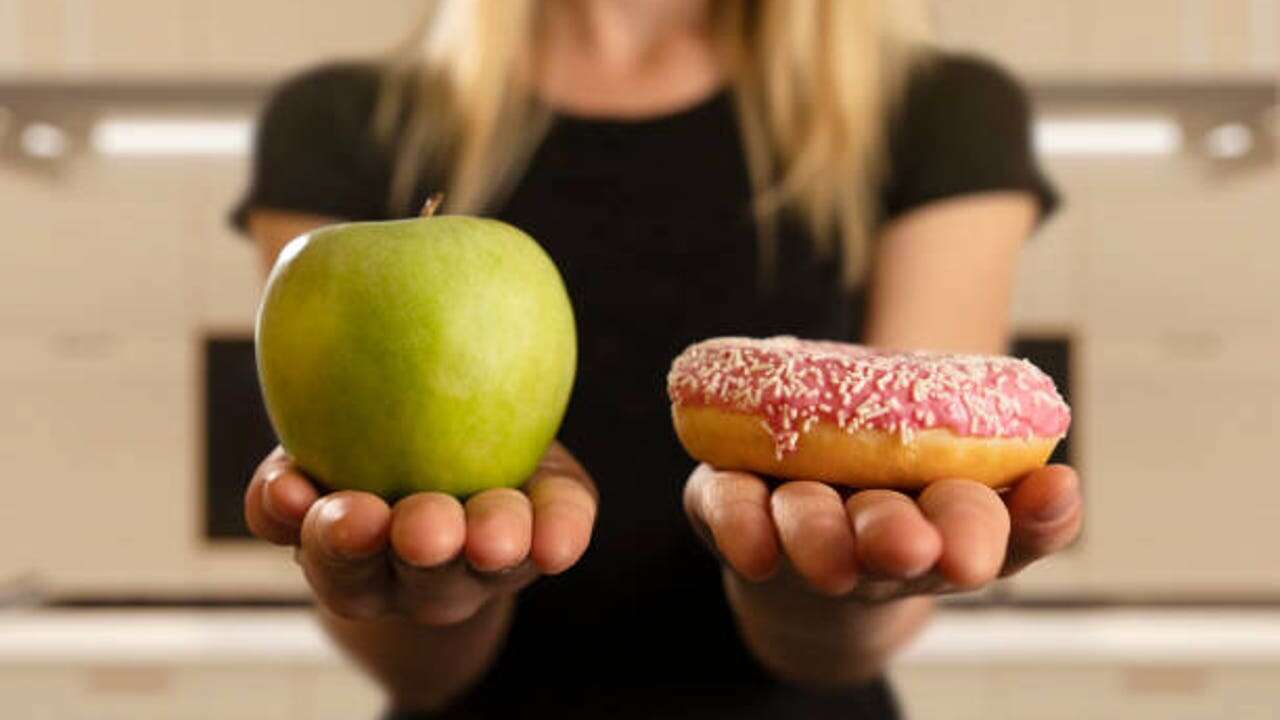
(1177, 391)
(98, 249)
(113, 272)
(97, 442)
(192, 39)
(1101, 40)
(255, 38)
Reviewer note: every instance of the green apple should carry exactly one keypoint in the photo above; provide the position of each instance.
(436, 353)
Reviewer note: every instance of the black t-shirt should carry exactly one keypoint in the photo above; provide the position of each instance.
(648, 221)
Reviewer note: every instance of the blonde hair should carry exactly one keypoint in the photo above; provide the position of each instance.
(814, 80)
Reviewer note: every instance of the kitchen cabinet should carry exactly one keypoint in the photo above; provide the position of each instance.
(1138, 37)
(1051, 274)
(1176, 397)
(11, 56)
(1135, 39)
(1035, 37)
(126, 246)
(126, 38)
(190, 39)
(101, 431)
(1174, 248)
(250, 37)
(253, 38)
(228, 277)
(1174, 434)
(1243, 34)
(261, 39)
(99, 250)
(34, 37)
(105, 435)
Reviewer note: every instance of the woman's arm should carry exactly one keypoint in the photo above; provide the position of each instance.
(423, 667)
(859, 575)
(421, 593)
(942, 276)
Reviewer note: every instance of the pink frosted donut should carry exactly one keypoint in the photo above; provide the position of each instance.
(853, 415)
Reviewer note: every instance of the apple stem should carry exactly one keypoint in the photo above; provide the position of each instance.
(432, 204)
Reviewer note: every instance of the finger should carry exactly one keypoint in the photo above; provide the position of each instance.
(974, 525)
(816, 535)
(558, 460)
(428, 529)
(441, 595)
(733, 508)
(287, 494)
(262, 524)
(277, 498)
(893, 538)
(344, 538)
(564, 512)
(1046, 511)
(499, 529)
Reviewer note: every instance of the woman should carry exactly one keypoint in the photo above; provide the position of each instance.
(695, 168)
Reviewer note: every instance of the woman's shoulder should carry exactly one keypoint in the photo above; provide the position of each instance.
(963, 125)
(342, 88)
(958, 107)
(314, 149)
(945, 81)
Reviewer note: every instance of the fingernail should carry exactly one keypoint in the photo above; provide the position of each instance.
(1059, 508)
(333, 533)
(267, 503)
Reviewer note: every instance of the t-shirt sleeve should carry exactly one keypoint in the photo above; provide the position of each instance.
(314, 148)
(965, 126)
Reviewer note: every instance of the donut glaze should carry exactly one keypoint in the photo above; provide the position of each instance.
(849, 404)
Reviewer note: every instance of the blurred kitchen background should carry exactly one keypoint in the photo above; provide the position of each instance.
(129, 417)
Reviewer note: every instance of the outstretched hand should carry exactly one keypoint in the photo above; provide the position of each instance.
(429, 557)
(876, 545)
